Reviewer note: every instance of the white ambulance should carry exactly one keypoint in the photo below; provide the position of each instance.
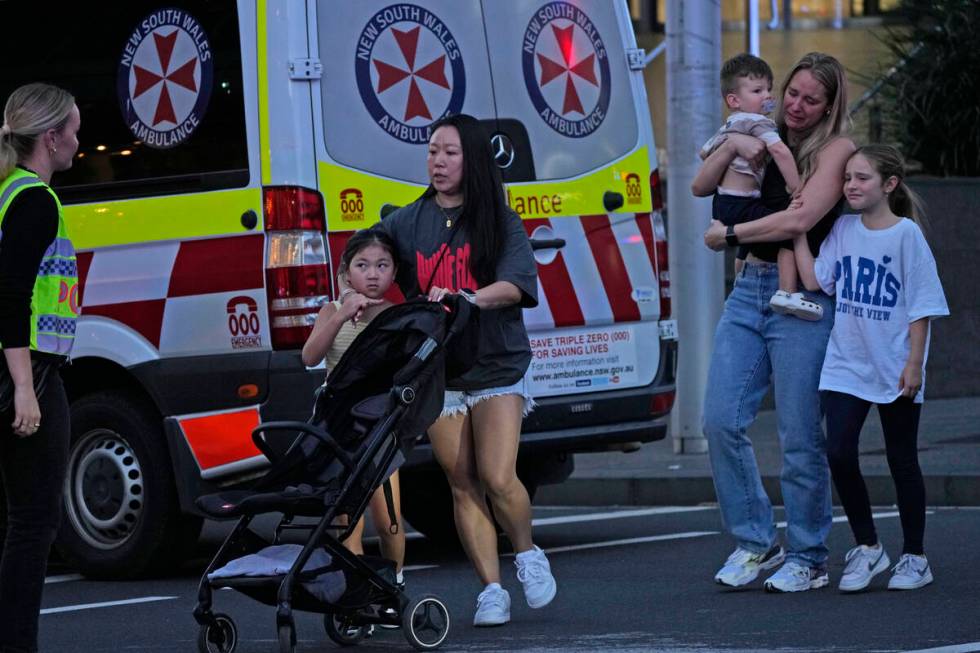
(228, 151)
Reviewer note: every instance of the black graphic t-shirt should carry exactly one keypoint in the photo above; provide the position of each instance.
(420, 232)
(775, 197)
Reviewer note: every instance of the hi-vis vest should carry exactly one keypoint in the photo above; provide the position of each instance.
(54, 304)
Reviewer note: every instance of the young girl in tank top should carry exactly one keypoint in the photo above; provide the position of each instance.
(368, 269)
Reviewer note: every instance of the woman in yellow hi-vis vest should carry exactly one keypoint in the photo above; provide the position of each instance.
(38, 307)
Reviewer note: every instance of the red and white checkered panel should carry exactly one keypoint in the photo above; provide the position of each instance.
(184, 298)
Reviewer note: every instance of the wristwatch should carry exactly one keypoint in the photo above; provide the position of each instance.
(730, 236)
(468, 295)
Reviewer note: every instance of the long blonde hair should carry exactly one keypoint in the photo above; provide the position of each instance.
(888, 162)
(830, 73)
(31, 110)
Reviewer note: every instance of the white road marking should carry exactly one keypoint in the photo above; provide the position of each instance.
(969, 647)
(418, 567)
(632, 540)
(64, 578)
(843, 518)
(618, 514)
(107, 604)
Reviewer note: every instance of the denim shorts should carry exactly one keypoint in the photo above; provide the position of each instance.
(458, 402)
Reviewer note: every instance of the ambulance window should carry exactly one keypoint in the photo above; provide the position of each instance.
(389, 72)
(559, 68)
(159, 89)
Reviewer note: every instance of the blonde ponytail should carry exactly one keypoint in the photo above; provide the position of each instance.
(31, 110)
(903, 201)
(888, 162)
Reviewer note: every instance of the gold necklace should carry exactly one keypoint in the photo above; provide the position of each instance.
(449, 219)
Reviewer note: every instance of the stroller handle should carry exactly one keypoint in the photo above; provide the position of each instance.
(305, 427)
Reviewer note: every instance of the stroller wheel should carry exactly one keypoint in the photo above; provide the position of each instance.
(218, 637)
(425, 622)
(287, 638)
(342, 631)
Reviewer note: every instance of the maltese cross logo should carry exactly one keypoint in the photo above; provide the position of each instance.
(164, 78)
(566, 69)
(433, 72)
(182, 76)
(409, 71)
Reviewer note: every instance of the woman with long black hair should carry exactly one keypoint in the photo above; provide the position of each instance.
(461, 237)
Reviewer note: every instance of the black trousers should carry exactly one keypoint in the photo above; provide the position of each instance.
(845, 416)
(32, 470)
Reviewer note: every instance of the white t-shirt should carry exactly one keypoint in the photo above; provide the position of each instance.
(752, 124)
(883, 280)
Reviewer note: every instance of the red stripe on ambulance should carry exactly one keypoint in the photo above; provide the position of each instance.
(218, 265)
(144, 317)
(612, 268)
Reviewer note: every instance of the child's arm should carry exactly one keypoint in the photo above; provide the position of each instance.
(786, 164)
(805, 263)
(328, 323)
(713, 169)
(325, 329)
(911, 379)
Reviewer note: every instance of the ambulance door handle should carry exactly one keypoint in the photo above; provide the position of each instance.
(612, 200)
(250, 219)
(553, 243)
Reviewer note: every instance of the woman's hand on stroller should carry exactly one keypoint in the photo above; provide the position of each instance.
(437, 294)
(352, 308)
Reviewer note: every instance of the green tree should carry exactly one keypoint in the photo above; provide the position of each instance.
(933, 100)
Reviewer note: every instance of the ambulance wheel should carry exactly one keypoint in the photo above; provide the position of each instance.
(341, 631)
(287, 638)
(425, 622)
(122, 515)
(218, 637)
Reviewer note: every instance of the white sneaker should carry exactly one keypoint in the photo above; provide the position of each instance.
(911, 573)
(794, 577)
(492, 606)
(534, 572)
(743, 566)
(797, 305)
(862, 563)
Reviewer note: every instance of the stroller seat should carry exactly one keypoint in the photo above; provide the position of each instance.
(303, 501)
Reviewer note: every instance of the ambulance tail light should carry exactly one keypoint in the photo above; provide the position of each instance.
(656, 191)
(660, 404)
(663, 267)
(297, 274)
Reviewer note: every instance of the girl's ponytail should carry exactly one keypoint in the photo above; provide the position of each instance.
(889, 163)
(906, 202)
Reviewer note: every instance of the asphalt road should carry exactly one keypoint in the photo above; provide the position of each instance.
(636, 579)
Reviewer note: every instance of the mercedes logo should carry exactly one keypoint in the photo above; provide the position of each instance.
(503, 150)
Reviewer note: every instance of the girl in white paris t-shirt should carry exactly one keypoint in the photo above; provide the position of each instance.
(883, 275)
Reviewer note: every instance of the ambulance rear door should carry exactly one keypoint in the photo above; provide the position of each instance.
(574, 139)
(390, 69)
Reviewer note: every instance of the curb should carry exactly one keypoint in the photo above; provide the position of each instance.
(947, 490)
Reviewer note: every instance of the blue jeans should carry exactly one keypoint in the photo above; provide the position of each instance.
(752, 346)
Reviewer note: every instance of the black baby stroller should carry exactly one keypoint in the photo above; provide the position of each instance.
(386, 390)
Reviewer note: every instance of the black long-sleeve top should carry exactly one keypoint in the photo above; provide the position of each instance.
(29, 226)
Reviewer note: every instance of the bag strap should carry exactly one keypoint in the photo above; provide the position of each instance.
(448, 244)
(390, 505)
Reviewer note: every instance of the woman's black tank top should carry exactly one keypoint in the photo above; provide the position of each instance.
(775, 197)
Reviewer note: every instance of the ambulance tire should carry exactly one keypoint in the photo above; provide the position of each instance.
(122, 515)
(427, 504)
